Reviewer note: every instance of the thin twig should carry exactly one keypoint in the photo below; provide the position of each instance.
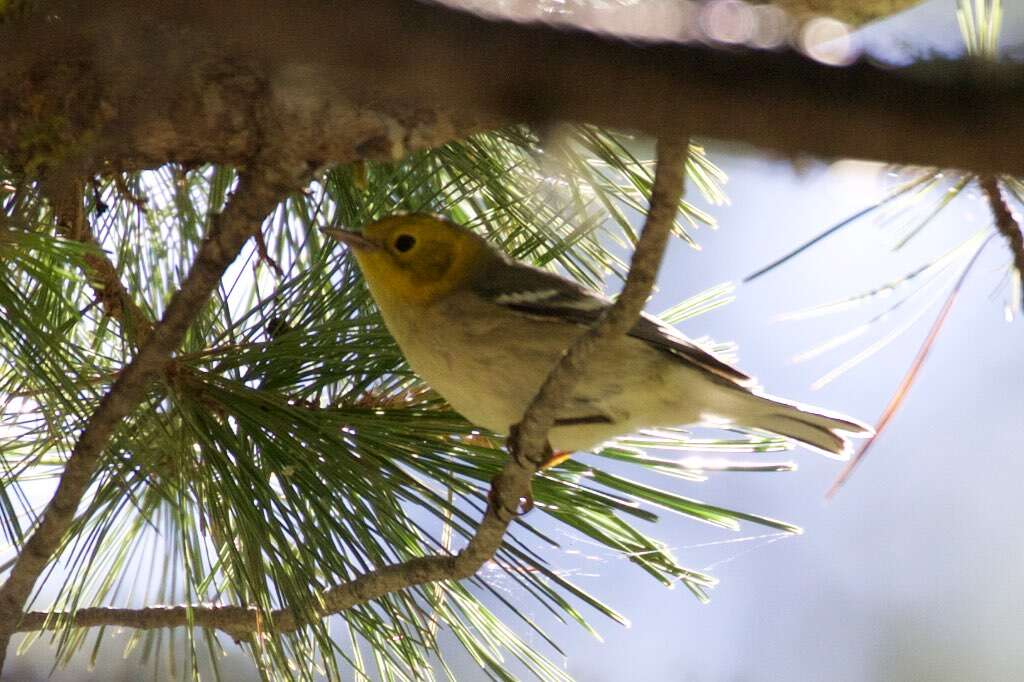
(139, 201)
(66, 198)
(1007, 225)
(258, 192)
(511, 485)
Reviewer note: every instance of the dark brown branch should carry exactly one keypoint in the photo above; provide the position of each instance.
(511, 485)
(190, 82)
(65, 196)
(1007, 225)
(258, 192)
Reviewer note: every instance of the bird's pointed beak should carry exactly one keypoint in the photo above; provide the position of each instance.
(352, 239)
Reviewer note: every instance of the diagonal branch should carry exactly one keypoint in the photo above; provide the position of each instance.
(65, 196)
(1006, 223)
(258, 192)
(529, 440)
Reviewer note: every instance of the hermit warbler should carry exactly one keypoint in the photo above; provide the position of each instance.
(484, 331)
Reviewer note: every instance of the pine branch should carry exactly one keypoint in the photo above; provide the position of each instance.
(854, 12)
(259, 191)
(1005, 222)
(65, 196)
(513, 483)
(333, 78)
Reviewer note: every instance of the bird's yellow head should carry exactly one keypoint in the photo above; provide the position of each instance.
(414, 258)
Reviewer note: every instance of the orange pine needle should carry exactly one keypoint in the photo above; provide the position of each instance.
(908, 379)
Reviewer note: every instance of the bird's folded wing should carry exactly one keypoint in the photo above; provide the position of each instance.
(539, 293)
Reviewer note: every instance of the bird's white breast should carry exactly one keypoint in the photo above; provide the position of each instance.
(488, 363)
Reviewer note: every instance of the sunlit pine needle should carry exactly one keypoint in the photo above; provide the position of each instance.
(891, 196)
(911, 375)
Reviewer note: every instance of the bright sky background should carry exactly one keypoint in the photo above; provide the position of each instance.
(916, 569)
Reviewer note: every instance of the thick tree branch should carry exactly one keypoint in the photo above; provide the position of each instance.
(854, 12)
(510, 486)
(258, 192)
(191, 82)
(1007, 225)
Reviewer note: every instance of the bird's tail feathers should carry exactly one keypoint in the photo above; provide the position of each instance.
(826, 432)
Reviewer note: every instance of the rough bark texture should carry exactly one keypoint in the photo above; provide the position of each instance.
(131, 84)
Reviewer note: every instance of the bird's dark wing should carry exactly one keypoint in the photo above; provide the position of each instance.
(539, 293)
(533, 291)
(661, 335)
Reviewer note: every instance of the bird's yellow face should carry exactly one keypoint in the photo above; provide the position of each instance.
(415, 258)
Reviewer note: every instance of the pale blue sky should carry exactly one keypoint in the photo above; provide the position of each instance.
(916, 569)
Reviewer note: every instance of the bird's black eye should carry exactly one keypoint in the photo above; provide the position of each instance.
(404, 242)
